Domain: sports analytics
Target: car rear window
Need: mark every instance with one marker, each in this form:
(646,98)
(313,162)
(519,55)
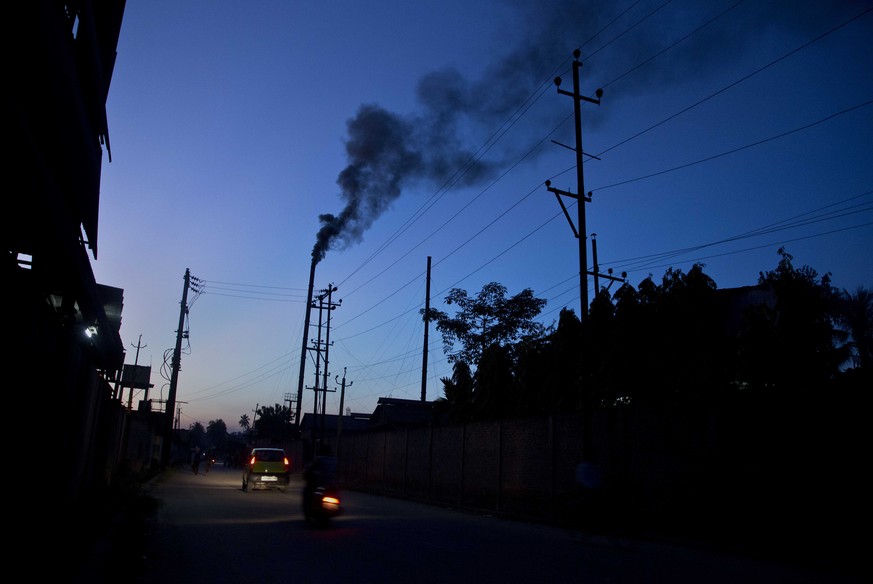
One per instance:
(269,455)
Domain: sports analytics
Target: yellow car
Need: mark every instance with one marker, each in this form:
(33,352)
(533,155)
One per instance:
(266,468)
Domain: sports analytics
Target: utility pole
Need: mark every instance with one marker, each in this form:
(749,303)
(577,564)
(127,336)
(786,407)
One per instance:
(339,421)
(330,306)
(177,421)
(596,271)
(126,434)
(254,419)
(589,473)
(290,399)
(426,322)
(578,98)
(137,346)
(319,435)
(174,376)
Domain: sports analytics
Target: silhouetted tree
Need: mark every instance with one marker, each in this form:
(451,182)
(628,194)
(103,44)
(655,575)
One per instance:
(488,319)
(629,374)
(492,331)
(245,423)
(660,342)
(599,343)
(495,391)
(216,433)
(681,340)
(638,355)
(697,345)
(794,339)
(197,436)
(458,392)
(273,422)
(855,316)
(539,374)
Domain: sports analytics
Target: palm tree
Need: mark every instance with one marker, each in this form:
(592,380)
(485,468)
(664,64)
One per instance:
(244,422)
(856,318)
(457,393)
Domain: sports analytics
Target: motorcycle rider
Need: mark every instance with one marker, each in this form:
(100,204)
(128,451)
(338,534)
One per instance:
(195,460)
(320,473)
(316,475)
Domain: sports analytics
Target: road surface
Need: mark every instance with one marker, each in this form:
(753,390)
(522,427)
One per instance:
(207,530)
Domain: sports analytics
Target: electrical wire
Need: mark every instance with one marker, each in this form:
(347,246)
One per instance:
(501,132)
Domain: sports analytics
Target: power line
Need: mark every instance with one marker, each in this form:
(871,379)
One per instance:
(527,154)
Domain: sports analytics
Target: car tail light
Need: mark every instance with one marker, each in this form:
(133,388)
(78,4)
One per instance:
(287,462)
(252,461)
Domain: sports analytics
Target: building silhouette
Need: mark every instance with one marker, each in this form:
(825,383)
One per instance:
(66,346)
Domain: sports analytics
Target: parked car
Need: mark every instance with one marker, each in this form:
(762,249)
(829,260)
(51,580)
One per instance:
(266,468)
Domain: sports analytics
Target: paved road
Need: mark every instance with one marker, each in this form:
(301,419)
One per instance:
(208,530)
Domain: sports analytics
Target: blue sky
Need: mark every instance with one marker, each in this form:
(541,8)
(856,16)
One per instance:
(726,130)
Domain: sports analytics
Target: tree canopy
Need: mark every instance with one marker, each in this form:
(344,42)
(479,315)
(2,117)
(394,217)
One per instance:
(216,434)
(681,339)
(488,319)
(273,422)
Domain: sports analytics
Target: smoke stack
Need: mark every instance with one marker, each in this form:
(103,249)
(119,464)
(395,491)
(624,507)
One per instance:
(305,338)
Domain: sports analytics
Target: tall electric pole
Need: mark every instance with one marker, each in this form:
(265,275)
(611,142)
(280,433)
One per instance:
(330,306)
(590,471)
(596,271)
(174,376)
(426,321)
(252,433)
(319,348)
(339,421)
(580,231)
(137,346)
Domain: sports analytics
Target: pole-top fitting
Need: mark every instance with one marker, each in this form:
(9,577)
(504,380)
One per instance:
(576,54)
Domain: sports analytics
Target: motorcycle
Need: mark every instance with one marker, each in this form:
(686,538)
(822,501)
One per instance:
(322,504)
(321,495)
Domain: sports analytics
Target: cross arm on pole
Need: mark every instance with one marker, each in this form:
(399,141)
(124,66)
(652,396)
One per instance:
(558,193)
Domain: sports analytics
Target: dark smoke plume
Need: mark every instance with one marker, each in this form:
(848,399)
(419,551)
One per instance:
(387,152)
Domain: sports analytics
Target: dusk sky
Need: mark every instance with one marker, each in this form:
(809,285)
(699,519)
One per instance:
(242,131)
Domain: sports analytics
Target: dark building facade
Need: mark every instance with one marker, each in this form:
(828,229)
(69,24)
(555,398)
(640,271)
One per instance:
(66,346)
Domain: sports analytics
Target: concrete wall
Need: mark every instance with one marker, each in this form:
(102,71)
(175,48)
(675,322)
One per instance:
(726,464)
